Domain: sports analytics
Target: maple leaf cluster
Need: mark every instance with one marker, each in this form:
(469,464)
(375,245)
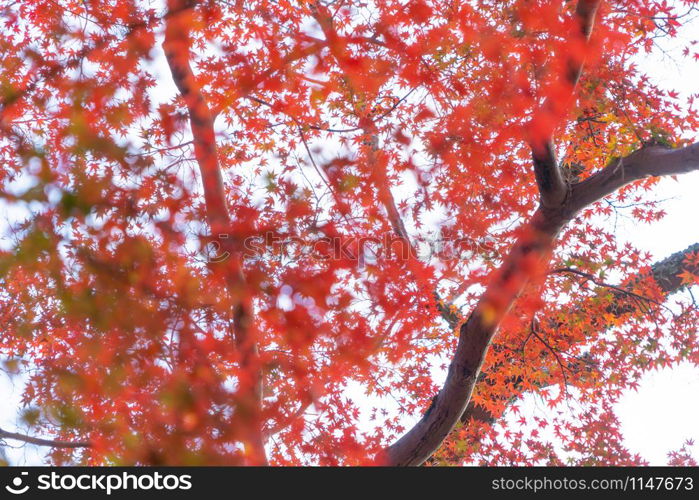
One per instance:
(146,148)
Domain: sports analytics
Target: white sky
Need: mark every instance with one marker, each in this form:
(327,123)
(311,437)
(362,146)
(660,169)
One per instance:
(663,412)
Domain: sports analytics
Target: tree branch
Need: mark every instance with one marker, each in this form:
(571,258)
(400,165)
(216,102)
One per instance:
(43,442)
(666,274)
(549,179)
(530,250)
(649,161)
(475,334)
(176,46)
(590,277)
(585,12)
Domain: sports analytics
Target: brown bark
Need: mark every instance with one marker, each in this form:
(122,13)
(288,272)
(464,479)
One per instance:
(53,443)
(177,52)
(665,273)
(476,333)
(549,179)
(559,203)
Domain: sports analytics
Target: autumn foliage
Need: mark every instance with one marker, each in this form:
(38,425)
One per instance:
(219,212)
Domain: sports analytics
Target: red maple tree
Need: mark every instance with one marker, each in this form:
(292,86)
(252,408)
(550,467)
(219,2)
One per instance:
(217,271)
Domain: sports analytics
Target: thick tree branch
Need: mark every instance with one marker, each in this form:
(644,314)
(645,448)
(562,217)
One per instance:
(620,291)
(585,12)
(43,442)
(650,161)
(324,19)
(475,334)
(176,46)
(549,179)
(665,273)
(530,251)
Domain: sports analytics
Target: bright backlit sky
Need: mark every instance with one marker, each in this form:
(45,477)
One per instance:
(664,412)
